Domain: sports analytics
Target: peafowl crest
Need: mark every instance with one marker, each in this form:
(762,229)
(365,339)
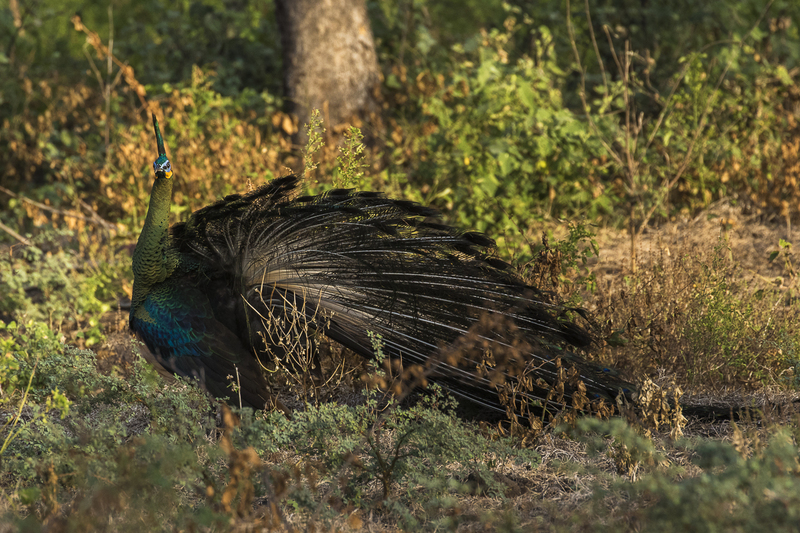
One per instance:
(256,276)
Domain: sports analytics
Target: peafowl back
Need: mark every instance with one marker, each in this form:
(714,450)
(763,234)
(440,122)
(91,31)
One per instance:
(256,277)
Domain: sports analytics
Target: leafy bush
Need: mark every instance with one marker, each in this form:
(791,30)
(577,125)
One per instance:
(743,485)
(59,287)
(492,140)
(128,451)
(733,493)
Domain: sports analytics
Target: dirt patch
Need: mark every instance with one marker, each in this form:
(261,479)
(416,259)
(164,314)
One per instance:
(751,239)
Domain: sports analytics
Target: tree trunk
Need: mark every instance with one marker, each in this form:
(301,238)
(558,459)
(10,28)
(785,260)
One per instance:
(329,60)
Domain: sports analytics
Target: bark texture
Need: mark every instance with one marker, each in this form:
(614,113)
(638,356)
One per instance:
(329,60)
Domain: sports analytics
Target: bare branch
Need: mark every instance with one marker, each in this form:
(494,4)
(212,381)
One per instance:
(14,234)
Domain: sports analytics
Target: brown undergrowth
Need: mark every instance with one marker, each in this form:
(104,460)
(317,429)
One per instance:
(713,306)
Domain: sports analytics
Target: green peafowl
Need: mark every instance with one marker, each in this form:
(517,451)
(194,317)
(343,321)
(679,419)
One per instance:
(254,277)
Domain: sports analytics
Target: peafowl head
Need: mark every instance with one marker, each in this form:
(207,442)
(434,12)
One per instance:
(161,166)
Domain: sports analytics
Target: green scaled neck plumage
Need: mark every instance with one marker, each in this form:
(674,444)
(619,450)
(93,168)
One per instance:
(152,261)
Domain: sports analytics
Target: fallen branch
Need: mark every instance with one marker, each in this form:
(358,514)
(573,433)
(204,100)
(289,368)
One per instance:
(14,234)
(97,219)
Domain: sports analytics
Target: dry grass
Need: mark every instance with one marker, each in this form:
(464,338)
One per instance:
(706,307)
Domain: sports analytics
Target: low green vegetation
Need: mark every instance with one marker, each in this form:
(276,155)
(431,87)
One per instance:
(88,450)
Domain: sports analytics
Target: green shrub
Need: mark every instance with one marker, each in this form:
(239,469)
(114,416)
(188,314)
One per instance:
(745,485)
(489,138)
(733,493)
(57,285)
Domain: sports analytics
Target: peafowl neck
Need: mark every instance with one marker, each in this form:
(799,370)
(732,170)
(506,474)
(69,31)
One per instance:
(153,261)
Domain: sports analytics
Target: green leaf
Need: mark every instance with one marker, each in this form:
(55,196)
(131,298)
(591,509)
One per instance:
(29,496)
(527,96)
(783,75)
(392,82)
(506,163)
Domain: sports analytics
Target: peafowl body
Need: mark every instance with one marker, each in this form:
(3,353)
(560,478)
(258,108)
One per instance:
(254,276)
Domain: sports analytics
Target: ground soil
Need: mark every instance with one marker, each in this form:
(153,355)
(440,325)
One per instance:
(750,237)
